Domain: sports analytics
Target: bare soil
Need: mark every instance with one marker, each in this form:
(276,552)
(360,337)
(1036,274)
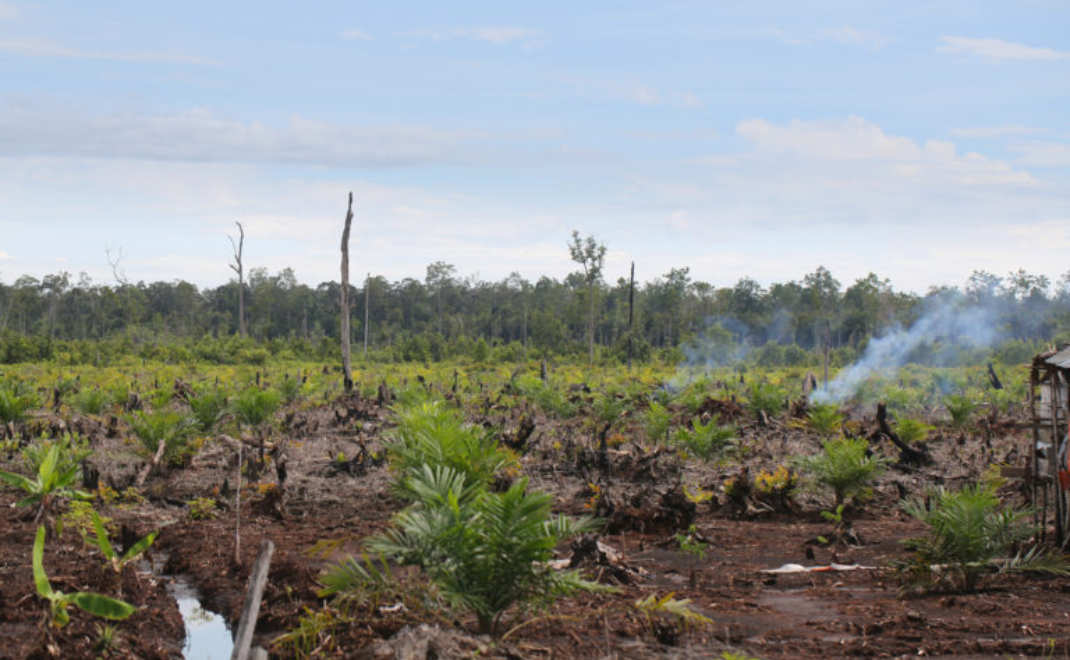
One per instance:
(326,506)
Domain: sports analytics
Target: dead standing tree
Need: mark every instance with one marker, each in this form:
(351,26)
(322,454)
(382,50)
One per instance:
(347,373)
(237,268)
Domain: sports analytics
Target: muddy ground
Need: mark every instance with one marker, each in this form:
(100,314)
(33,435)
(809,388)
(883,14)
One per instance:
(336,492)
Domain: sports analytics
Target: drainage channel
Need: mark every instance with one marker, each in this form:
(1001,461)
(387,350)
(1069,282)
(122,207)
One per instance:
(208,637)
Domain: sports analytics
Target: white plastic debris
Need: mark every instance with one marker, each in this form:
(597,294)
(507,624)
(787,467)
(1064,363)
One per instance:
(799,568)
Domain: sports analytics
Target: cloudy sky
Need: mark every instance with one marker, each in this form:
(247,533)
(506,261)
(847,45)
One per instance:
(734,138)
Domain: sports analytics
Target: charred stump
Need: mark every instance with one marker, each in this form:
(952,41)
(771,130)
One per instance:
(907,455)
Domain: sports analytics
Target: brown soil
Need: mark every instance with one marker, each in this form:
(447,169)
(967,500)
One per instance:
(327,506)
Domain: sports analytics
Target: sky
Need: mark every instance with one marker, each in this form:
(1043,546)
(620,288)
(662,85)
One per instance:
(757,139)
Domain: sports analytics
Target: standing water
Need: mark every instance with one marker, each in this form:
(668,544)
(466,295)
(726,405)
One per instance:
(207,635)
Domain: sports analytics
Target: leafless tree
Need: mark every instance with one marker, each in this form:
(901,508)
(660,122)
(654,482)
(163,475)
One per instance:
(118,273)
(237,268)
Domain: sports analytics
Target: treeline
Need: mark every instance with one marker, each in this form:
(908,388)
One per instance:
(446,315)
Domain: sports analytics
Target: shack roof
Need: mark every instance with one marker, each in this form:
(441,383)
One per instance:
(1060,359)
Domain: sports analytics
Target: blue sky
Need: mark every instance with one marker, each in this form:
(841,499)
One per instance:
(737,139)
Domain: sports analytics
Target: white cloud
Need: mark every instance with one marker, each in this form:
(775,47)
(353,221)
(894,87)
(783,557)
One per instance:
(200,135)
(854,37)
(4,256)
(498,35)
(1043,154)
(856,140)
(354,34)
(8,11)
(994,131)
(44,48)
(999,49)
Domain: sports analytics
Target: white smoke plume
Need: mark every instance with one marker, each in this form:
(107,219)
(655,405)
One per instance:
(973,326)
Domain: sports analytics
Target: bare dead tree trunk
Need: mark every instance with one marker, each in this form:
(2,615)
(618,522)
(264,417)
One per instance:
(367,289)
(347,372)
(237,268)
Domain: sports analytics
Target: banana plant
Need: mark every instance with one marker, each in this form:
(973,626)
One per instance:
(118,563)
(51,482)
(96,604)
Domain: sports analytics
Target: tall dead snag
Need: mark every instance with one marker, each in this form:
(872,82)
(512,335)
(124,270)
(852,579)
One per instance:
(237,268)
(347,377)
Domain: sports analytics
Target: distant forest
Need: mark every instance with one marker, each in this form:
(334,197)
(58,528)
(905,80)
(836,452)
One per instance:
(446,315)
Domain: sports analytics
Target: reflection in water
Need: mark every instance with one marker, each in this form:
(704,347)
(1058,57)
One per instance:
(207,634)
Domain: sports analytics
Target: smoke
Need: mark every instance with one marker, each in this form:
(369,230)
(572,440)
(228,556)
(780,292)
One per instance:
(943,323)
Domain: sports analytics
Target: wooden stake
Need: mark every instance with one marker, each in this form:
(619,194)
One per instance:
(257,581)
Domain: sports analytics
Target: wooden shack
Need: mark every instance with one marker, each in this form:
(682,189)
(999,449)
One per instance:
(1049,396)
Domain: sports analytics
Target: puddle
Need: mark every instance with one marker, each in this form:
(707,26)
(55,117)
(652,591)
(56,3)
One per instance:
(207,635)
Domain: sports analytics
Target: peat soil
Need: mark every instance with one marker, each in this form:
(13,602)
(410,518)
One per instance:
(324,488)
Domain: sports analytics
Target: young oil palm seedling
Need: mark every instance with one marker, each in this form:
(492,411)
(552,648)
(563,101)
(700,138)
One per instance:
(970,530)
(431,433)
(255,408)
(208,407)
(15,402)
(765,398)
(54,480)
(117,562)
(484,551)
(912,431)
(707,440)
(824,419)
(171,428)
(844,466)
(656,422)
(59,602)
(961,408)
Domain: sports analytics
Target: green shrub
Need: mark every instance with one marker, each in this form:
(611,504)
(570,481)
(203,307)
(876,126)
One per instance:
(431,433)
(91,401)
(290,389)
(707,441)
(824,419)
(844,467)
(656,422)
(767,398)
(59,602)
(969,528)
(15,401)
(208,407)
(254,407)
(166,426)
(961,409)
(912,431)
(485,551)
(56,472)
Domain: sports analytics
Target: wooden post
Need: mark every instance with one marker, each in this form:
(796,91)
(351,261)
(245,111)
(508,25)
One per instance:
(257,581)
(237,513)
(347,376)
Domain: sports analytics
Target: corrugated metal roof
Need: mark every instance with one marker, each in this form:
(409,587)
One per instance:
(1061,359)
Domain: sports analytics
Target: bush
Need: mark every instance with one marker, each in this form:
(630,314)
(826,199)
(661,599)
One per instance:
(656,422)
(91,401)
(208,408)
(171,428)
(912,431)
(844,467)
(254,406)
(824,419)
(766,398)
(968,529)
(485,551)
(430,433)
(707,441)
(15,401)
(961,409)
